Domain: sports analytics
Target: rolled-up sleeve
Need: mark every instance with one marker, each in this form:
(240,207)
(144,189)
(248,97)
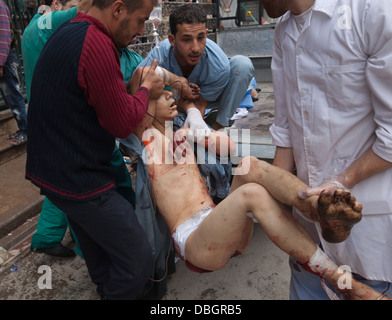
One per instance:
(378,37)
(280,128)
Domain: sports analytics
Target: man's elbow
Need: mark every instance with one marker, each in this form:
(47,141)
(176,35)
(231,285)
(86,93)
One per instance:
(232,147)
(120,130)
(223,145)
(124,131)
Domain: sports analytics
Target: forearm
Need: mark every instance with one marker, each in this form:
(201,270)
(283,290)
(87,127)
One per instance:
(174,81)
(218,142)
(199,103)
(185,89)
(284,158)
(121,116)
(184,105)
(366,166)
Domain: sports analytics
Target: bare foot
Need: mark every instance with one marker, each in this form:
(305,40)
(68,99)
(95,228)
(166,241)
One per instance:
(338,213)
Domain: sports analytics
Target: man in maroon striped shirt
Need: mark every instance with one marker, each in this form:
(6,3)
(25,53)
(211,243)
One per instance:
(78,105)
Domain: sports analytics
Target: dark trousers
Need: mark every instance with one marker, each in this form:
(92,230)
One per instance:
(115,247)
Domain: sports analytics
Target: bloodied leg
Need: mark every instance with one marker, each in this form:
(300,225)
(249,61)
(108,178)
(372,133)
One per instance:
(255,192)
(336,211)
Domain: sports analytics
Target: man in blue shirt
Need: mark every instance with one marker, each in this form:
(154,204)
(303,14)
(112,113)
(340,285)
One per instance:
(188,53)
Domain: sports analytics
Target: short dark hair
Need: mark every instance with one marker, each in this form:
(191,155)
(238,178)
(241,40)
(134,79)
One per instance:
(131,5)
(189,14)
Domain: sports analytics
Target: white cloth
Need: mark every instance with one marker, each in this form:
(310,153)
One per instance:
(239,114)
(333,98)
(184,230)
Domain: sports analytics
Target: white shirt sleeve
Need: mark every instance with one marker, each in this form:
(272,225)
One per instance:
(280,128)
(378,39)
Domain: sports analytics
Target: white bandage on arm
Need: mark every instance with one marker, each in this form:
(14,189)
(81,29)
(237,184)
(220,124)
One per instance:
(163,73)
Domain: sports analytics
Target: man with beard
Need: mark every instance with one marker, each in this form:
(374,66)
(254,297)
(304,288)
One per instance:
(187,52)
(77,108)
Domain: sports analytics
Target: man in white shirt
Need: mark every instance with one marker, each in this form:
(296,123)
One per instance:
(332,73)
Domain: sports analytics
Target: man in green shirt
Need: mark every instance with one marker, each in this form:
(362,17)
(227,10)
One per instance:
(42,26)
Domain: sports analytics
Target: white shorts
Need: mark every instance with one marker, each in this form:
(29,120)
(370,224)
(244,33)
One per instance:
(182,232)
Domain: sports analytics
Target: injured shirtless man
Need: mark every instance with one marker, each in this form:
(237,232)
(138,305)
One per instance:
(206,235)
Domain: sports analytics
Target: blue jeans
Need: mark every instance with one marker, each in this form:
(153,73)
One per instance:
(9,87)
(241,74)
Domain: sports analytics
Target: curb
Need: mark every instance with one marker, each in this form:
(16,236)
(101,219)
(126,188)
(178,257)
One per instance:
(21,217)
(16,244)
(17,253)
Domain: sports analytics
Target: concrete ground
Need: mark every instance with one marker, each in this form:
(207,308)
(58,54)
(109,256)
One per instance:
(260,273)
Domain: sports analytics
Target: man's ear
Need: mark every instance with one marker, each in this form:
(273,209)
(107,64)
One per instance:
(172,39)
(118,8)
(206,32)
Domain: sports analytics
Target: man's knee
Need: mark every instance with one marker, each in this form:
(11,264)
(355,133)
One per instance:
(250,166)
(252,193)
(249,160)
(243,65)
